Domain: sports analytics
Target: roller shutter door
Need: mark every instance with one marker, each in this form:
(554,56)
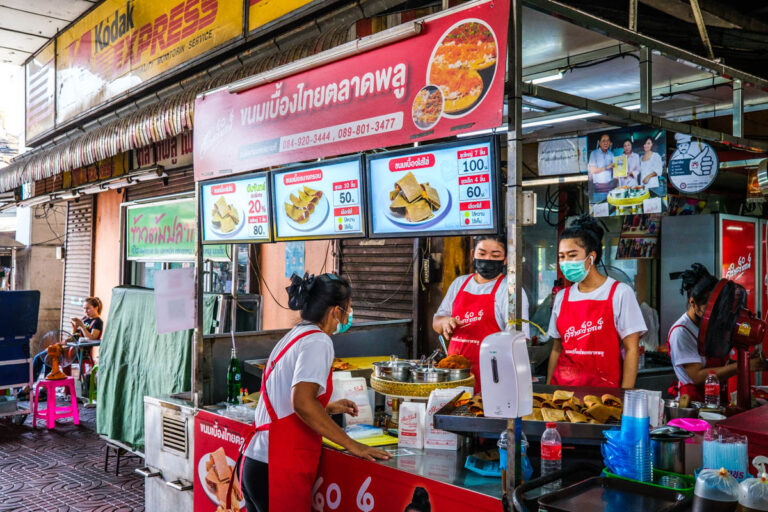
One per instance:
(381,275)
(178,182)
(77,263)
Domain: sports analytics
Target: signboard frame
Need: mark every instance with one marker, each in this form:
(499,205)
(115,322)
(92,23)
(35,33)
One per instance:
(495,176)
(360,158)
(230,179)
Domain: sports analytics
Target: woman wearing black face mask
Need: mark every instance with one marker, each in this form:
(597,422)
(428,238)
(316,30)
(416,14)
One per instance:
(691,368)
(475,305)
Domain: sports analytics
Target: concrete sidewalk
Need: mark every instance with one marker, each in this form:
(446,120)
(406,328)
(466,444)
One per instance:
(62,470)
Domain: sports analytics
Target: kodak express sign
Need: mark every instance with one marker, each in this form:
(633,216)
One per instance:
(122,44)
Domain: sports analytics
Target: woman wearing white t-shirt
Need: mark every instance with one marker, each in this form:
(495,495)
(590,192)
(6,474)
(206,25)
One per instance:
(281,459)
(633,166)
(475,305)
(691,368)
(650,165)
(594,319)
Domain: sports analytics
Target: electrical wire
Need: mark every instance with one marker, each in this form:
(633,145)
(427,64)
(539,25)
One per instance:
(261,279)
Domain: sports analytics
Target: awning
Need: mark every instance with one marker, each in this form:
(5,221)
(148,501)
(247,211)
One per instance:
(165,118)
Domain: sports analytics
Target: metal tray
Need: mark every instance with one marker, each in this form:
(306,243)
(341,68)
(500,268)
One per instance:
(600,493)
(526,496)
(574,433)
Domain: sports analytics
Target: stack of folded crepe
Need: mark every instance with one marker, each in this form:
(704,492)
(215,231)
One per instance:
(218,477)
(565,407)
(303,204)
(468,405)
(413,200)
(224,217)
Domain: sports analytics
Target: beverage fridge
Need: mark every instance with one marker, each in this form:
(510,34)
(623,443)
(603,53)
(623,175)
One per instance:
(731,247)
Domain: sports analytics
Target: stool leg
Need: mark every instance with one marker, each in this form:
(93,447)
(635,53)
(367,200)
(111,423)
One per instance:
(106,457)
(73,401)
(34,405)
(117,467)
(50,412)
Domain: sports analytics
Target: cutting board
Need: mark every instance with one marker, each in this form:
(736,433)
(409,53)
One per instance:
(382,440)
(364,363)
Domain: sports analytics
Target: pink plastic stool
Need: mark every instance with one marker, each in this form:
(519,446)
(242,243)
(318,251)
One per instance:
(53,412)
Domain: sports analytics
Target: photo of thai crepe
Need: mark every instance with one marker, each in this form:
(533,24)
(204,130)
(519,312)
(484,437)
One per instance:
(463,65)
(225,217)
(216,471)
(412,201)
(427,107)
(306,208)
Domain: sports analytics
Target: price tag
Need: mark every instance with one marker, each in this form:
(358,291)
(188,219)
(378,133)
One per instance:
(473,160)
(257,219)
(346,193)
(474,187)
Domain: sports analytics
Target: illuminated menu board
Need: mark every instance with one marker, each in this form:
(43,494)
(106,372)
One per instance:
(236,210)
(323,200)
(434,190)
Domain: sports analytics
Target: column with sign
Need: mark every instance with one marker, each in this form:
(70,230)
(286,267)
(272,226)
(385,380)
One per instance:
(475,187)
(346,206)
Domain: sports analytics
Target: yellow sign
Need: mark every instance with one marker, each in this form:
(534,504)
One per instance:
(40,74)
(261,12)
(121,44)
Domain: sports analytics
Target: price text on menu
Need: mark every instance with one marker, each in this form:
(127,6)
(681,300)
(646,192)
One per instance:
(474,170)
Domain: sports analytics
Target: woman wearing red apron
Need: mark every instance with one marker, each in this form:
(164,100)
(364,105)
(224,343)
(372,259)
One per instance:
(593,319)
(691,368)
(476,304)
(281,458)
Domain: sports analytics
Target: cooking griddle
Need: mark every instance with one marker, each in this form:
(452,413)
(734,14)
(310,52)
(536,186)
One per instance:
(615,495)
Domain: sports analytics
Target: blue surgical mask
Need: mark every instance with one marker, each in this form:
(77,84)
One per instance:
(575,271)
(342,328)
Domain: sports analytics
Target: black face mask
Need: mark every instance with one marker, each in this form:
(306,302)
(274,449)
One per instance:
(489,269)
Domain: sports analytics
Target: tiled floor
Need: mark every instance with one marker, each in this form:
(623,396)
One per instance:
(62,470)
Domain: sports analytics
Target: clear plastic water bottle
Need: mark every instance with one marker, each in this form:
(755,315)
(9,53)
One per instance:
(712,391)
(551,453)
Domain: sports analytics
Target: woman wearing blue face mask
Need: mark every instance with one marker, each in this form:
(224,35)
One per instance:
(281,458)
(594,319)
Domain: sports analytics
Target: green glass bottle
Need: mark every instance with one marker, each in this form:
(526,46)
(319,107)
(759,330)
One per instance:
(233,378)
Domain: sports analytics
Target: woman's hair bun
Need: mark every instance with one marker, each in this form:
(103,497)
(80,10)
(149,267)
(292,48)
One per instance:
(588,223)
(692,277)
(299,291)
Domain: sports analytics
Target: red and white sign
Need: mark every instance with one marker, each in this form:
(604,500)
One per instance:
(217,446)
(170,153)
(350,484)
(739,259)
(447,80)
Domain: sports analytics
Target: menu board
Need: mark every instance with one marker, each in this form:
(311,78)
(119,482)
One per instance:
(434,190)
(236,210)
(322,200)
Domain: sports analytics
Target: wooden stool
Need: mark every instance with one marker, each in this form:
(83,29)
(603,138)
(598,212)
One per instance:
(52,412)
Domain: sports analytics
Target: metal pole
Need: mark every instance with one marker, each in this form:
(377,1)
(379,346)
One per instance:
(633,15)
(738,108)
(702,28)
(514,206)
(646,80)
(197,339)
(235,285)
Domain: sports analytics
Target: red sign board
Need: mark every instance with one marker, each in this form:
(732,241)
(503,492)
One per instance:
(739,259)
(217,445)
(349,484)
(447,80)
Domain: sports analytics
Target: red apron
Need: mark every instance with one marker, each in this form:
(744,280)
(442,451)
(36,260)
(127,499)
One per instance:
(591,353)
(478,312)
(294,448)
(695,391)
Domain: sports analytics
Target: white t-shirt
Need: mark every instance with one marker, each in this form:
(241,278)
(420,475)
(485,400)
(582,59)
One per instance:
(309,360)
(649,167)
(633,171)
(475,288)
(684,347)
(627,316)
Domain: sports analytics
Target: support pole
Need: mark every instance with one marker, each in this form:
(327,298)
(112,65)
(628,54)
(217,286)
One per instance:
(197,338)
(738,108)
(633,15)
(514,207)
(646,80)
(702,28)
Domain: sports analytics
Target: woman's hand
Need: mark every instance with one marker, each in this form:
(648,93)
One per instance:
(446,325)
(757,363)
(342,406)
(368,452)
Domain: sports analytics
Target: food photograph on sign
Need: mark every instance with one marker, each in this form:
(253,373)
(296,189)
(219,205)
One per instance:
(626,172)
(319,201)
(236,210)
(443,188)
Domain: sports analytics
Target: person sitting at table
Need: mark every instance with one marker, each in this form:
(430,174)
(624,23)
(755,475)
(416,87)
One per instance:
(88,328)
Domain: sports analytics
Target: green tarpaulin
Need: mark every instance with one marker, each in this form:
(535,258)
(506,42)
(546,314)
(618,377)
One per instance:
(135,361)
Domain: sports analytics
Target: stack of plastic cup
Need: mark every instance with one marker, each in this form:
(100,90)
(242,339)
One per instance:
(635,433)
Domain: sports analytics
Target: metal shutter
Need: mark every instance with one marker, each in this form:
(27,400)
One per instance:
(381,275)
(178,182)
(77,262)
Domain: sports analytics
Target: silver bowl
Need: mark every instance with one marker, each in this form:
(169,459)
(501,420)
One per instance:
(672,411)
(459,373)
(398,370)
(430,375)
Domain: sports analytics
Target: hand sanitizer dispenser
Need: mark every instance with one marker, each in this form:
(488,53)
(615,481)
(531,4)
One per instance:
(505,375)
